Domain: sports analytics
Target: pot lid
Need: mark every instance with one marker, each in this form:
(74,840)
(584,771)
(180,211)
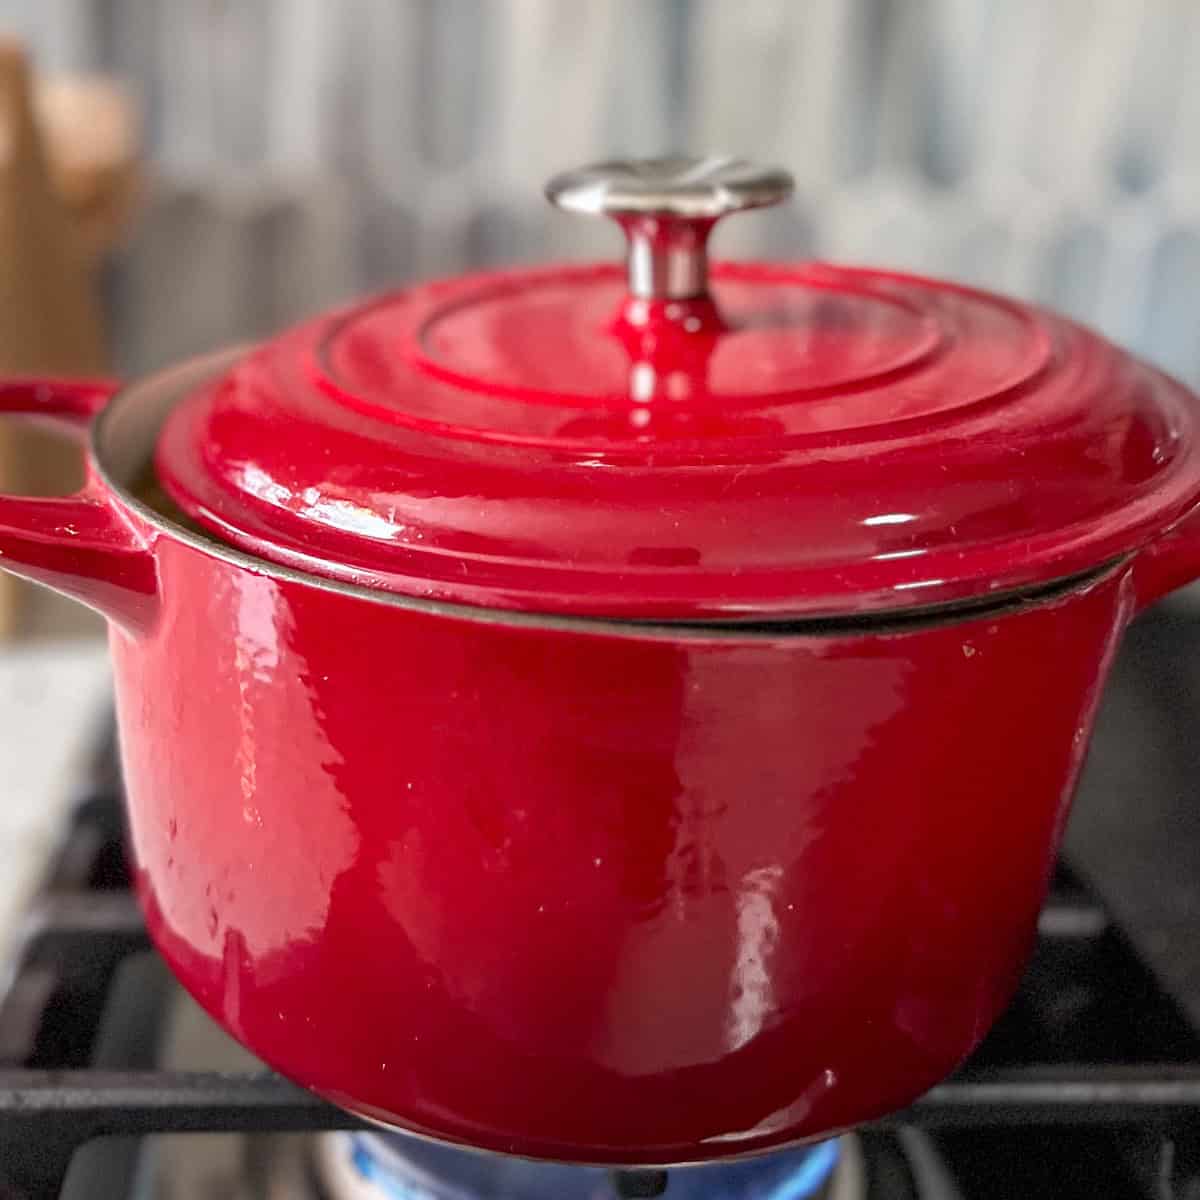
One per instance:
(671,440)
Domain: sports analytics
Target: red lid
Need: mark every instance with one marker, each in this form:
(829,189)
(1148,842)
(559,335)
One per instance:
(768,442)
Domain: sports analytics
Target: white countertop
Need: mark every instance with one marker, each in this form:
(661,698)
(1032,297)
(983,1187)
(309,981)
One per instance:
(53,696)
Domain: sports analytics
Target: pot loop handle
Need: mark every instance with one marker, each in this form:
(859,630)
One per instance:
(80,544)
(667,207)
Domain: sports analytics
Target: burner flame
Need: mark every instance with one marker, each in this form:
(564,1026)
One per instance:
(369,1166)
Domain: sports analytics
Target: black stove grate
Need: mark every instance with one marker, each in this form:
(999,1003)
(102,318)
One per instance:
(1088,1086)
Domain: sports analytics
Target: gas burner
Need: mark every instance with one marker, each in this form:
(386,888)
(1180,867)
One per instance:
(867,1165)
(370,1166)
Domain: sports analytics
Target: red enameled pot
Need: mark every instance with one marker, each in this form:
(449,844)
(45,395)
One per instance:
(617,725)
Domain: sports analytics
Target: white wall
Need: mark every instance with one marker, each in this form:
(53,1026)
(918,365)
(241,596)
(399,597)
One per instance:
(307,149)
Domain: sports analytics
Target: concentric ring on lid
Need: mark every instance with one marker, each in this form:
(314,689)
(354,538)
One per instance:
(780,442)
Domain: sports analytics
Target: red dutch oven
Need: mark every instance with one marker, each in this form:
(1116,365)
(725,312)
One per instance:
(617,715)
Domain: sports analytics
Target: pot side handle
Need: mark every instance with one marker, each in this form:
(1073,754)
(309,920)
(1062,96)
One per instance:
(79,545)
(1171,561)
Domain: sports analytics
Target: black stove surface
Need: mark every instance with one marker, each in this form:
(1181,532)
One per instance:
(1088,1086)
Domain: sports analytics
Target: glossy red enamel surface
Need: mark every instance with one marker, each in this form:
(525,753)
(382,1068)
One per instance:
(812,440)
(581,890)
(593,897)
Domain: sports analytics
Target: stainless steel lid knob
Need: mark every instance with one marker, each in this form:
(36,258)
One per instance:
(667,208)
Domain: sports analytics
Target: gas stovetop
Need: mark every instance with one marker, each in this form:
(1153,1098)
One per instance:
(1089,1085)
